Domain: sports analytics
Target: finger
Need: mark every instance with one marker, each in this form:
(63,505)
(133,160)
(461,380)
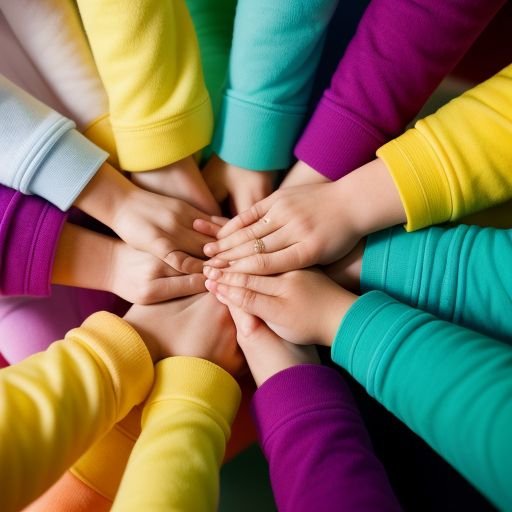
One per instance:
(278,262)
(274,242)
(183,262)
(266,285)
(191,241)
(245,323)
(168,288)
(247,217)
(206,227)
(244,235)
(242,200)
(250,301)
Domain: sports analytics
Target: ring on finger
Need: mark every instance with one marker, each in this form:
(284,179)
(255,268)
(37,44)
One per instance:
(259,246)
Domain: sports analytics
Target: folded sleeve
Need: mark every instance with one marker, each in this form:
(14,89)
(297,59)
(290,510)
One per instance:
(186,423)
(318,449)
(399,54)
(40,151)
(274,55)
(448,384)
(148,59)
(55,404)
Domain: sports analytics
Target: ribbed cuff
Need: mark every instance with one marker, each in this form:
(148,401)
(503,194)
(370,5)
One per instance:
(256,137)
(151,147)
(100,133)
(365,334)
(200,381)
(124,353)
(299,389)
(334,143)
(419,178)
(67,168)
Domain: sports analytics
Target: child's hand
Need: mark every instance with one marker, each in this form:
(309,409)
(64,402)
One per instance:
(181,180)
(347,271)
(242,186)
(303,307)
(139,277)
(197,326)
(298,227)
(266,353)
(302,174)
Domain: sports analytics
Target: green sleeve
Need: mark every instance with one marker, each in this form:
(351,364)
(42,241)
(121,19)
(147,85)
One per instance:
(450,385)
(460,274)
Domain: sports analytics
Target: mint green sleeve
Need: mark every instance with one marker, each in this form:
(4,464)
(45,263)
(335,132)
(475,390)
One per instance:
(461,274)
(450,385)
(275,52)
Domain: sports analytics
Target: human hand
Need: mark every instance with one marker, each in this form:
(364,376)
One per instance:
(302,174)
(266,353)
(181,180)
(197,326)
(304,307)
(242,186)
(347,271)
(298,227)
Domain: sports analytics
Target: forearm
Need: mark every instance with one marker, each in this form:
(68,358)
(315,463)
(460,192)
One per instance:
(450,385)
(190,411)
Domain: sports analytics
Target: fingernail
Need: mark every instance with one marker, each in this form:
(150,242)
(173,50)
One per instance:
(209,250)
(209,285)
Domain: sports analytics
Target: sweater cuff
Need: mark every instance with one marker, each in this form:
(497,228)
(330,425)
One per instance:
(256,137)
(294,391)
(419,178)
(67,169)
(100,132)
(199,381)
(364,336)
(151,147)
(123,352)
(335,143)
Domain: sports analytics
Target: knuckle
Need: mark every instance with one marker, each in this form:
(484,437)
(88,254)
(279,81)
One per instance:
(248,299)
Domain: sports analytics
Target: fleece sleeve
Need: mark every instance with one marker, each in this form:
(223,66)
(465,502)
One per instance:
(148,59)
(461,274)
(318,449)
(275,52)
(456,161)
(55,404)
(29,232)
(40,151)
(399,54)
(186,423)
(450,385)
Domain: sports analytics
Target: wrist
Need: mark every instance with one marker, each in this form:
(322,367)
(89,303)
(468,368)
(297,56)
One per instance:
(333,313)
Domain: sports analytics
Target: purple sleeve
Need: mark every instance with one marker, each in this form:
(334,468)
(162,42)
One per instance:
(319,452)
(29,232)
(400,53)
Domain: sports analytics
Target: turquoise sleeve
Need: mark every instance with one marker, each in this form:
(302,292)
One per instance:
(450,385)
(460,274)
(275,52)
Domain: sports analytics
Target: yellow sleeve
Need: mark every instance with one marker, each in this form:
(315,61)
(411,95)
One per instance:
(55,404)
(148,58)
(186,423)
(456,161)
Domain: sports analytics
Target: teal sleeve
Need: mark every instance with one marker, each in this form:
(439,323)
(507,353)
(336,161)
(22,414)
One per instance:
(461,274)
(450,385)
(275,52)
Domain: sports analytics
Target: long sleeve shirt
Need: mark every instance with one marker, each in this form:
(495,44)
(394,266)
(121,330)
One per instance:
(55,404)
(41,153)
(456,161)
(148,59)
(450,385)
(400,53)
(275,52)
(319,452)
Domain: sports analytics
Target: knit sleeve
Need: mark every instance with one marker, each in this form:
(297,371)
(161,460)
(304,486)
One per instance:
(275,52)
(40,151)
(148,59)
(399,54)
(318,449)
(57,403)
(186,423)
(450,385)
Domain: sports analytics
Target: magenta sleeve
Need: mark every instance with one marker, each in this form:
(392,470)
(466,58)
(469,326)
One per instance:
(398,56)
(29,232)
(318,449)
